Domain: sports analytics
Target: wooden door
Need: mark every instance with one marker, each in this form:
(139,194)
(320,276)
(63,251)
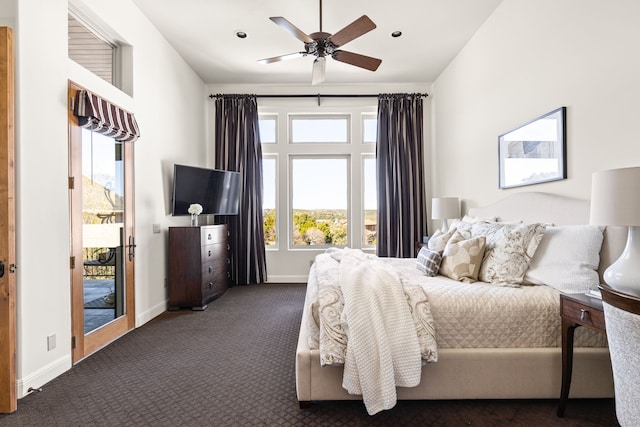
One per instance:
(102,239)
(8,398)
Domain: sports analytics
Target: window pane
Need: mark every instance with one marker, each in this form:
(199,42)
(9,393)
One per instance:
(320,129)
(89,50)
(370,202)
(319,201)
(269,201)
(370,129)
(267,126)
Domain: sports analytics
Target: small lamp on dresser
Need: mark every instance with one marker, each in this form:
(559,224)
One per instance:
(615,201)
(445,208)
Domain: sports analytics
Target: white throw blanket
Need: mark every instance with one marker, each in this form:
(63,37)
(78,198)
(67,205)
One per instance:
(383,349)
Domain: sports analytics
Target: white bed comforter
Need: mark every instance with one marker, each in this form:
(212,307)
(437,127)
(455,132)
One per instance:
(387,328)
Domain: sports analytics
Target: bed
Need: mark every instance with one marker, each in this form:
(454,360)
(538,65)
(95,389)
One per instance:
(473,359)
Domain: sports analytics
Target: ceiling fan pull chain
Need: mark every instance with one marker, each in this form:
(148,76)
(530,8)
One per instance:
(320,15)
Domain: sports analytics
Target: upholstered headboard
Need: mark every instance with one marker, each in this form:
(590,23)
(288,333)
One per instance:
(532,207)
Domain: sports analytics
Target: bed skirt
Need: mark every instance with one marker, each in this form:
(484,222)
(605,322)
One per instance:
(491,373)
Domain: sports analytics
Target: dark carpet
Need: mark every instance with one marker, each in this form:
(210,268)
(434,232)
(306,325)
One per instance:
(233,365)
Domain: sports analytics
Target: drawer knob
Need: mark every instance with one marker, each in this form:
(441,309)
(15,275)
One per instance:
(209,252)
(584,314)
(210,285)
(208,236)
(210,269)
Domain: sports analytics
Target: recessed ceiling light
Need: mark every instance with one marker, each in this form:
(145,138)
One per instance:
(396,34)
(241,34)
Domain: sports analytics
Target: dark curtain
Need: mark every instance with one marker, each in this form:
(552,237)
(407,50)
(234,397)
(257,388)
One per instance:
(238,148)
(399,156)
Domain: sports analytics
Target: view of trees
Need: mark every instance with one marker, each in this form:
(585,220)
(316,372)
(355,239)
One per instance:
(269,218)
(319,227)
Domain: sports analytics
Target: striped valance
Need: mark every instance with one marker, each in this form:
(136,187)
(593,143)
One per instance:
(101,116)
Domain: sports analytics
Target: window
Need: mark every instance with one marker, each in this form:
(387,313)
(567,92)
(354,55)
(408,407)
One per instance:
(370,202)
(269,200)
(97,48)
(319,181)
(319,200)
(267,126)
(320,129)
(370,128)
(90,50)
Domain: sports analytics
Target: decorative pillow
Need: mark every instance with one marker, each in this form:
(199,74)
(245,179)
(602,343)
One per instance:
(509,249)
(462,258)
(439,240)
(429,261)
(567,258)
(471,219)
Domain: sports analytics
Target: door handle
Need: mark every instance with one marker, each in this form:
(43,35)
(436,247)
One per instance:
(132,248)
(12,268)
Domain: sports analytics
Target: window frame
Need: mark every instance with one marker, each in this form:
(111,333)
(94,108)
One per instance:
(283,149)
(347,117)
(291,159)
(121,51)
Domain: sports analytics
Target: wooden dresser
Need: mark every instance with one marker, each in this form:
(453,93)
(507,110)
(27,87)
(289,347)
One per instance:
(197,265)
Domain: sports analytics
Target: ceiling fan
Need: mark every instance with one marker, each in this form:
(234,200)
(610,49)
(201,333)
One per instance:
(323,44)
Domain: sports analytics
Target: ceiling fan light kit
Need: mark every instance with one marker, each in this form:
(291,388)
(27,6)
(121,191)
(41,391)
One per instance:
(321,45)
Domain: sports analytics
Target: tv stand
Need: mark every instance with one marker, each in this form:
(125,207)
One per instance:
(197,265)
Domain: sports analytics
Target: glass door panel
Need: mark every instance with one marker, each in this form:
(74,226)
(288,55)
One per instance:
(102,230)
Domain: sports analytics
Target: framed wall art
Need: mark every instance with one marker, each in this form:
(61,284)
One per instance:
(535,152)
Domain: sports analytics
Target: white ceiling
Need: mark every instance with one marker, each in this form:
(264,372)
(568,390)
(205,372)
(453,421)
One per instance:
(203,32)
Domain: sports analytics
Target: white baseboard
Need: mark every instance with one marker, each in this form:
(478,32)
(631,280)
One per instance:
(287,279)
(151,313)
(43,375)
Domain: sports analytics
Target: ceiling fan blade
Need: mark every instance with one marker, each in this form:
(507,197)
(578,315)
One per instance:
(319,70)
(356,59)
(292,29)
(282,57)
(354,30)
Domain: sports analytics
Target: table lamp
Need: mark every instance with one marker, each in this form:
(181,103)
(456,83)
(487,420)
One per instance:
(615,200)
(445,208)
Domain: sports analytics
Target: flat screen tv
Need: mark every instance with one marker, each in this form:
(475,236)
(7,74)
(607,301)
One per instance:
(218,191)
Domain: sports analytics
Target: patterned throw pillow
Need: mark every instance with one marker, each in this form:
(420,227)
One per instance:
(439,240)
(461,259)
(509,249)
(429,261)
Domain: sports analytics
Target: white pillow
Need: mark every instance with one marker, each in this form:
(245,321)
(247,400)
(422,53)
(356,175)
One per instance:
(567,258)
(472,219)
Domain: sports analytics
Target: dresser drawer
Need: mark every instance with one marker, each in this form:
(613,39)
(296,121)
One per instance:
(213,234)
(215,251)
(583,315)
(215,268)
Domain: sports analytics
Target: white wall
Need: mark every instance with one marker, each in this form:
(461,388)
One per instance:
(168,101)
(529,58)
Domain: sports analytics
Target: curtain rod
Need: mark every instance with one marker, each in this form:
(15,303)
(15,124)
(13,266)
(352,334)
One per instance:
(318,95)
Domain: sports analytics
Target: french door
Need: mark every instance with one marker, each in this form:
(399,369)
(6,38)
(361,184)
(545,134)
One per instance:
(8,397)
(102,239)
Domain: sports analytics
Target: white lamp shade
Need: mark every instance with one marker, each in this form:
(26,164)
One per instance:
(445,208)
(615,197)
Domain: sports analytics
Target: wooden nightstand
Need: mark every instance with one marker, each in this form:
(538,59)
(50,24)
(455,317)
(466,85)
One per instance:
(576,310)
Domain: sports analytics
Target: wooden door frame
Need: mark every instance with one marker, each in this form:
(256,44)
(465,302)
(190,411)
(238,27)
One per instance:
(8,394)
(84,345)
